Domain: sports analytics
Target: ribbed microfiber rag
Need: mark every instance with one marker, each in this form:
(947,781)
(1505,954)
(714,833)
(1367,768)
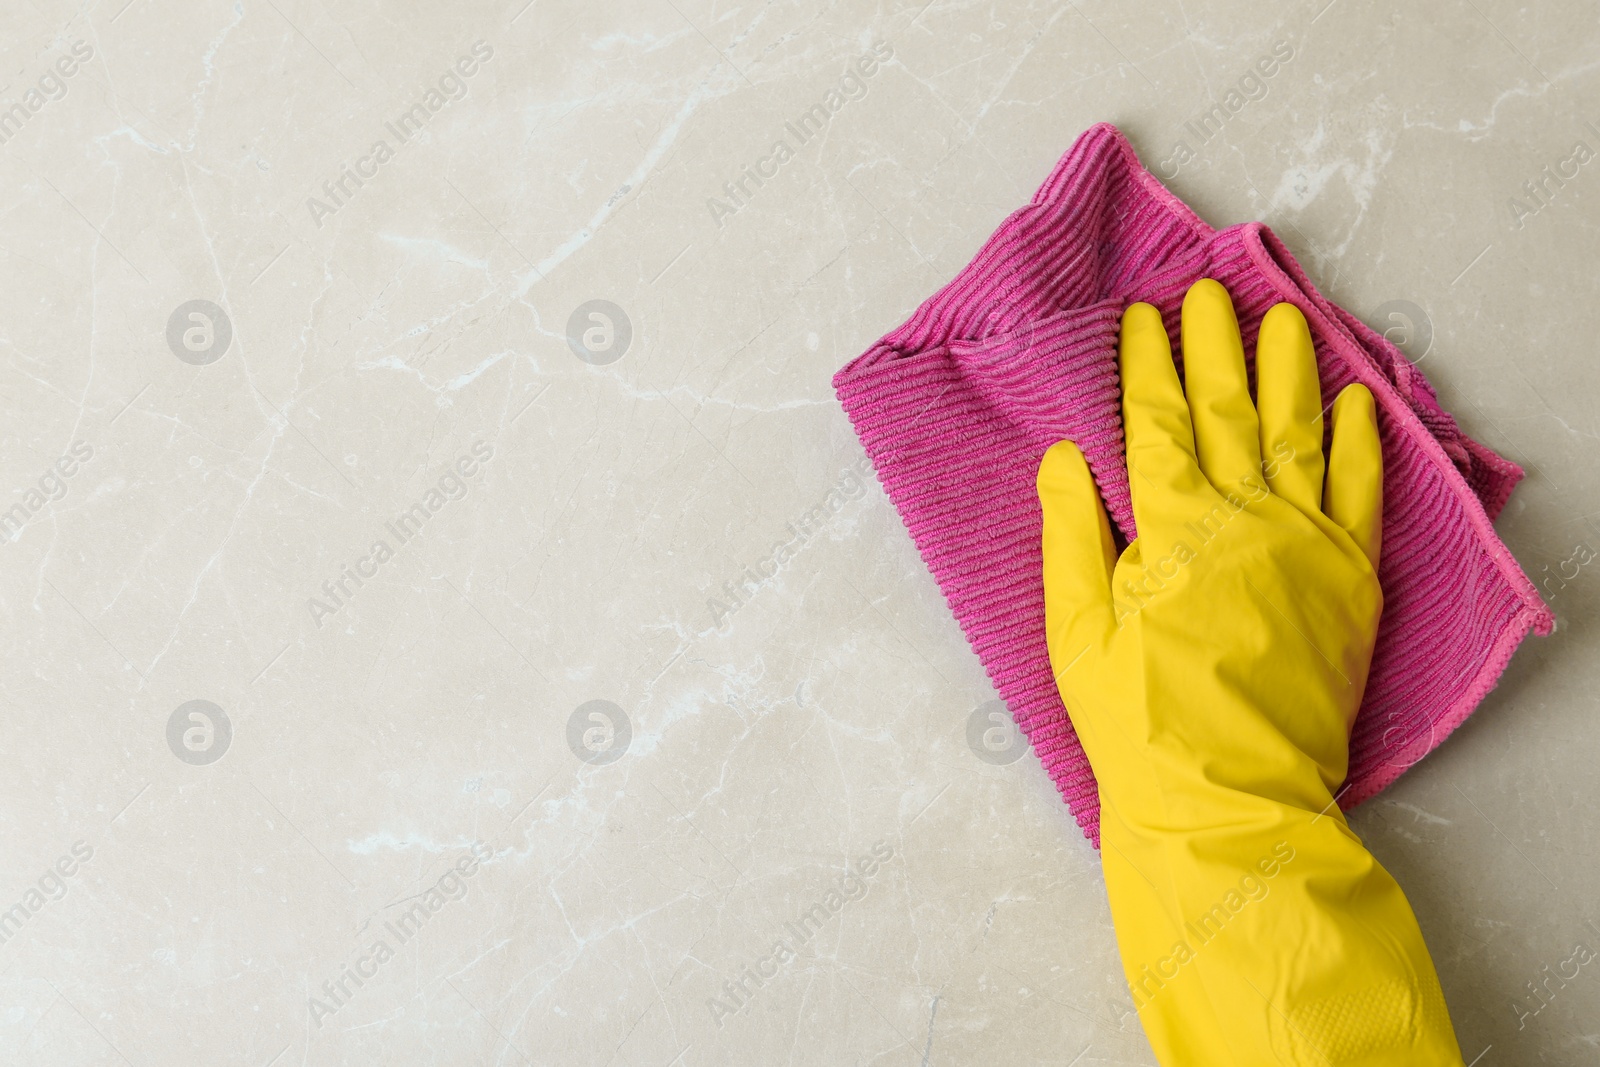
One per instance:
(956,407)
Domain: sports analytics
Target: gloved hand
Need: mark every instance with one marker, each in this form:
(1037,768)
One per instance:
(1213,672)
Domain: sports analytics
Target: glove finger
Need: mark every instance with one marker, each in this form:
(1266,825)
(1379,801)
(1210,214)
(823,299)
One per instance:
(1226,435)
(1162,470)
(1354,494)
(1079,555)
(1289,399)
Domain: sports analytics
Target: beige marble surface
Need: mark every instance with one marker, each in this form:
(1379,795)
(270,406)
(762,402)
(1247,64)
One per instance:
(393,756)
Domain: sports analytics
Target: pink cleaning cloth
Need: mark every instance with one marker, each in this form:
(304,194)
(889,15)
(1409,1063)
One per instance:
(956,407)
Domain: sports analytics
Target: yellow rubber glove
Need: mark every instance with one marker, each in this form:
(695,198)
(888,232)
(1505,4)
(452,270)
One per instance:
(1213,672)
